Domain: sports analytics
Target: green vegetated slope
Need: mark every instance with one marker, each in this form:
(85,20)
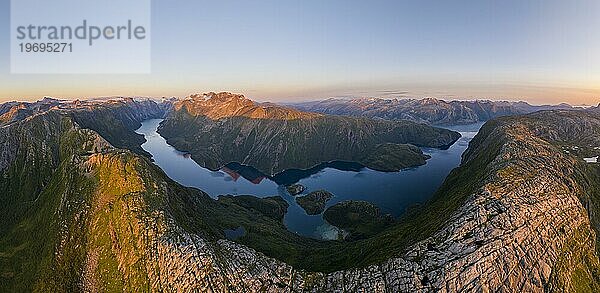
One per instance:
(79,214)
(314,202)
(360,219)
(77,211)
(394,157)
(37,179)
(221,128)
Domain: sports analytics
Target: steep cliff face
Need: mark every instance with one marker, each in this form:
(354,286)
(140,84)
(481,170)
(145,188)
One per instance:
(221,128)
(428,110)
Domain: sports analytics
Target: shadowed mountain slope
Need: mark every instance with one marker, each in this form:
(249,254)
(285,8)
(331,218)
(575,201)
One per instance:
(222,128)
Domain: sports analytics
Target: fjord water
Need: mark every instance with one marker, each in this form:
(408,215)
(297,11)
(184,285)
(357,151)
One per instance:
(393,192)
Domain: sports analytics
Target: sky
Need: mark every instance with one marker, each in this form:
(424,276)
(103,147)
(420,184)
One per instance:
(541,51)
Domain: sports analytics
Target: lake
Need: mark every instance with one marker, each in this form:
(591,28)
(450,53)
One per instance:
(393,192)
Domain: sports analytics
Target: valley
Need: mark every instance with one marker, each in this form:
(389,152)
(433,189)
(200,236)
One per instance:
(396,191)
(512,204)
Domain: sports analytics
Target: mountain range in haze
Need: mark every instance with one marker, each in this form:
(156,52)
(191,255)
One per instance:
(427,110)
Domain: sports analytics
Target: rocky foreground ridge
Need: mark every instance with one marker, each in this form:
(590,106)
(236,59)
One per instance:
(428,110)
(524,228)
(78,214)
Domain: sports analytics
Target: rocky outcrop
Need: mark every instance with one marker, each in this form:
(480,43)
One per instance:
(428,110)
(218,129)
(314,202)
(295,189)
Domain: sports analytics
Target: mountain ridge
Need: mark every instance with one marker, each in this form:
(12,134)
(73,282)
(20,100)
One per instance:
(218,129)
(427,110)
(224,104)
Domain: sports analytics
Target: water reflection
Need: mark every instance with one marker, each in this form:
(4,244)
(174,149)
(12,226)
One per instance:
(393,192)
(289,176)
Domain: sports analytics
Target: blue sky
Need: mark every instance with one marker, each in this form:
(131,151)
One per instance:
(540,51)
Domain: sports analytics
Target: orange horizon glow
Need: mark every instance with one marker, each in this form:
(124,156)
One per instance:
(542,52)
(536,95)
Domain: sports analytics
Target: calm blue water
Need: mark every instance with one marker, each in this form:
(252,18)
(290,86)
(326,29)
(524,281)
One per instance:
(393,192)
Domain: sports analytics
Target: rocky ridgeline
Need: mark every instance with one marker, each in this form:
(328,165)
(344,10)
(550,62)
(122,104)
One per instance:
(525,229)
(224,104)
(128,110)
(428,110)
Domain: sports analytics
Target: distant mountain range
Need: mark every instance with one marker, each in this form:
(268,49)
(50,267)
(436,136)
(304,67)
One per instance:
(428,110)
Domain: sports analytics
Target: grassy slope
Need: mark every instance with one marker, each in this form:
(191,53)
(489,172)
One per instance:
(116,121)
(394,157)
(36,186)
(74,217)
(314,202)
(43,244)
(94,216)
(111,128)
(360,219)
